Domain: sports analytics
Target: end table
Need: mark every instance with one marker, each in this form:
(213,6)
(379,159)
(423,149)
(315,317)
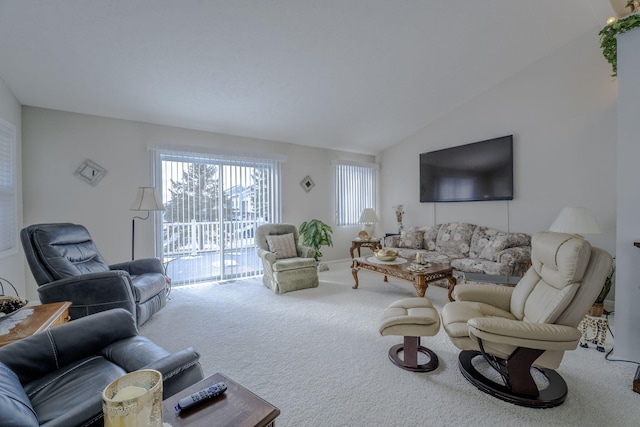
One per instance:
(373,244)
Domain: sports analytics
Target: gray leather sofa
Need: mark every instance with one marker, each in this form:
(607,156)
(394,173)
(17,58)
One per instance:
(56,378)
(68,267)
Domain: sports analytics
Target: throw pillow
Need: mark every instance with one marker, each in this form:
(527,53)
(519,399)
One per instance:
(282,245)
(454,238)
(411,238)
(498,244)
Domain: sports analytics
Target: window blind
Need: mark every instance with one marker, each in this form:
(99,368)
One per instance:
(356,190)
(8,205)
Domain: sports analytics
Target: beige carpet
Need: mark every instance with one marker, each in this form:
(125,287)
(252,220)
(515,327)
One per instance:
(317,355)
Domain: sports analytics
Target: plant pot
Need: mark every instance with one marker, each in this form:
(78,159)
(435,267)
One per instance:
(596,309)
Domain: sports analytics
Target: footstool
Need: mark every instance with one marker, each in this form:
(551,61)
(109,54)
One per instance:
(412,318)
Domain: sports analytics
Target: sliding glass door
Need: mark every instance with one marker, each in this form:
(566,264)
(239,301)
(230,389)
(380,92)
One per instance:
(213,205)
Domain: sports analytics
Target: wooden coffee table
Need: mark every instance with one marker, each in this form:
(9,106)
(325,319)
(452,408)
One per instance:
(419,280)
(236,407)
(44,316)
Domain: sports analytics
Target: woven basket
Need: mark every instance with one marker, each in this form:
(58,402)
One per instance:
(596,309)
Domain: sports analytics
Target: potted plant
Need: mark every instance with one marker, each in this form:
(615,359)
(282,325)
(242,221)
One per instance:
(315,233)
(598,306)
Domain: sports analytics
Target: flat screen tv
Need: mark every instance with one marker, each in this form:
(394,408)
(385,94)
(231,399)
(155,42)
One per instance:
(472,172)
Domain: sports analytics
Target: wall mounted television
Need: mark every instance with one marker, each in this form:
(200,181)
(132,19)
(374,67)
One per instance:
(473,172)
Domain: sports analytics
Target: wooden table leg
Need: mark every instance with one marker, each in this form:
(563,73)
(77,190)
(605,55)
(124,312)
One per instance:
(354,271)
(421,286)
(452,284)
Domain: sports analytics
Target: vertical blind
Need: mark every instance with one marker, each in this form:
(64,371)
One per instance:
(8,207)
(213,203)
(356,190)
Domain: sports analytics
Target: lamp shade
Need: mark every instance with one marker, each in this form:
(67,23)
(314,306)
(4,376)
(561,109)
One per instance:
(576,221)
(368,216)
(147,200)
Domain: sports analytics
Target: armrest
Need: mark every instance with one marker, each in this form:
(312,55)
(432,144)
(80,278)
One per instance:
(90,289)
(515,255)
(305,251)
(179,371)
(541,336)
(490,293)
(34,356)
(267,256)
(140,266)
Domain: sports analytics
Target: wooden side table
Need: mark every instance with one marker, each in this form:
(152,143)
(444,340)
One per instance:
(237,406)
(44,316)
(374,244)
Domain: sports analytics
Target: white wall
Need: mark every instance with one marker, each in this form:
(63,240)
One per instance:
(55,143)
(12,266)
(561,111)
(627,292)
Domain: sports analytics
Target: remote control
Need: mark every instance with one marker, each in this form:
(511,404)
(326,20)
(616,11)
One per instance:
(201,396)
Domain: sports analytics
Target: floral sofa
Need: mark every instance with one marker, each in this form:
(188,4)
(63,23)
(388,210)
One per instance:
(468,248)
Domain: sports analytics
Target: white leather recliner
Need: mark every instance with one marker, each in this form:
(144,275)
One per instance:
(529,325)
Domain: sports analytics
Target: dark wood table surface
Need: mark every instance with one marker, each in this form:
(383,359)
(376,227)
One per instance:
(237,407)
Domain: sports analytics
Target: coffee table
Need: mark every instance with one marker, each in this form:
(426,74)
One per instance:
(419,279)
(236,407)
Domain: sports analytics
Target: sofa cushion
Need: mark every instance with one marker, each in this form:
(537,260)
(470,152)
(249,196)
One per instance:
(282,245)
(504,241)
(430,236)
(482,266)
(293,264)
(15,406)
(482,236)
(411,238)
(72,395)
(455,238)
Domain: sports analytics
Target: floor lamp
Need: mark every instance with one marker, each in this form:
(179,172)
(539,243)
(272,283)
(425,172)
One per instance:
(146,200)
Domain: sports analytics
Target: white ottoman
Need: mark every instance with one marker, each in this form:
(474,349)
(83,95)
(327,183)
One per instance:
(412,318)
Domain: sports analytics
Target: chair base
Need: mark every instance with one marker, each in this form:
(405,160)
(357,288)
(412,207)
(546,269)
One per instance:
(552,396)
(411,348)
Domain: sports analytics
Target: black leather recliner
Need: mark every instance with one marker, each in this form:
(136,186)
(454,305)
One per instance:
(56,378)
(68,267)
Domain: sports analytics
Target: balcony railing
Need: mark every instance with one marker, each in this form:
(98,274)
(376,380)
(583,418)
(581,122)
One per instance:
(194,237)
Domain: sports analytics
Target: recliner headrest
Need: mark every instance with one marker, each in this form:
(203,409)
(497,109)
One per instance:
(66,250)
(559,259)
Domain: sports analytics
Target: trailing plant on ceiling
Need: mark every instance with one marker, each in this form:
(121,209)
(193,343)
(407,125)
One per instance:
(608,41)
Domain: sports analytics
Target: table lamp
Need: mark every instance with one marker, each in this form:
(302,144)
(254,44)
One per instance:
(576,221)
(368,217)
(146,200)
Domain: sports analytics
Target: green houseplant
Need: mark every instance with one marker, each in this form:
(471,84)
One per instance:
(608,41)
(315,233)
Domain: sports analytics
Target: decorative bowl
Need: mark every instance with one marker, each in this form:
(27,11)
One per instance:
(386,254)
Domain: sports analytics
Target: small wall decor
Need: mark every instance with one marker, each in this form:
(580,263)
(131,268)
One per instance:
(307,183)
(90,172)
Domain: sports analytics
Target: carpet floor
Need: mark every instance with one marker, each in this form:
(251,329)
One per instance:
(317,355)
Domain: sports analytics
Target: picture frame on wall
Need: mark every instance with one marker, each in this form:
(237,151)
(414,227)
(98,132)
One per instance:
(90,172)
(307,183)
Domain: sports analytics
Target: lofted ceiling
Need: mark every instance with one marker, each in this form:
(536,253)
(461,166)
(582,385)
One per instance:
(355,75)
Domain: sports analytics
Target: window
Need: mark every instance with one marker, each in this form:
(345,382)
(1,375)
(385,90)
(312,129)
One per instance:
(213,203)
(356,190)
(8,205)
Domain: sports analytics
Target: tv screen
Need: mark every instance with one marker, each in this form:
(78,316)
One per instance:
(472,172)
